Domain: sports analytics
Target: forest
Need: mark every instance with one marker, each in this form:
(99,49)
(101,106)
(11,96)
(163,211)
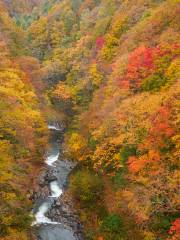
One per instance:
(109,70)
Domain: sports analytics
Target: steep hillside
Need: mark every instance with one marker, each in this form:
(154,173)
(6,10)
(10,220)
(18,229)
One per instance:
(114,66)
(24,12)
(21,6)
(22,135)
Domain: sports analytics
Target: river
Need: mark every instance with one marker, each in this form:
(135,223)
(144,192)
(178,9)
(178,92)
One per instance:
(54,218)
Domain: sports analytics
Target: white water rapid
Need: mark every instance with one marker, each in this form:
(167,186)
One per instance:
(54,127)
(40,215)
(51,159)
(56,191)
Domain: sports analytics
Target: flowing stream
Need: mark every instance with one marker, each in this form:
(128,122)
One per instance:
(53,220)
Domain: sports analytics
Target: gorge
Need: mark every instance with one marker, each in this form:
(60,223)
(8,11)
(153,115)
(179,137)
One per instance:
(89,119)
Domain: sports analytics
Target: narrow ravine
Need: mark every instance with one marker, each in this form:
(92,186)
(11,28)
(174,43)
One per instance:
(54,215)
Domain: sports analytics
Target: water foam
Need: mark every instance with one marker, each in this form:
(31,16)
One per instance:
(40,217)
(51,159)
(55,189)
(54,127)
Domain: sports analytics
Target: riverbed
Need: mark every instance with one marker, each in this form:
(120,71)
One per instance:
(55,218)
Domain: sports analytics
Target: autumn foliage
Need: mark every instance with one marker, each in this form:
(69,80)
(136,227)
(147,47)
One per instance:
(146,68)
(113,69)
(175,229)
(23,135)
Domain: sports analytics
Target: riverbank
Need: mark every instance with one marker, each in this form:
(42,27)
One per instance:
(102,215)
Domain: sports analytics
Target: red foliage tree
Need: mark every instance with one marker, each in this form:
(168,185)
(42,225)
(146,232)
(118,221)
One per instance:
(175,229)
(161,129)
(100,42)
(158,137)
(145,61)
(140,65)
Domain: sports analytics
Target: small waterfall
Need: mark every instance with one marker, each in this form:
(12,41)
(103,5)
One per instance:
(51,159)
(40,215)
(54,126)
(55,189)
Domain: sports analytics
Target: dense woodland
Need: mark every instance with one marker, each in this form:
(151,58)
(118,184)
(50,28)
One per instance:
(22,134)
(110,69)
